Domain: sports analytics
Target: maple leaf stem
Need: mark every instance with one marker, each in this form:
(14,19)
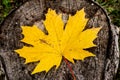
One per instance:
(70,68)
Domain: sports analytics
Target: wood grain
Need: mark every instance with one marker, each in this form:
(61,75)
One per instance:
(102,67)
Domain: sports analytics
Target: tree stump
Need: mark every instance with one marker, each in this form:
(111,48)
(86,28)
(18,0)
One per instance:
(102,67)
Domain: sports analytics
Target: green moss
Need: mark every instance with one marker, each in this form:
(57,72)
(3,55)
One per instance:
(112,7)
(5,7)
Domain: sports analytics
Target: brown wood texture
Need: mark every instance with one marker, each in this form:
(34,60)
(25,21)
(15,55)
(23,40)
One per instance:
(102,67)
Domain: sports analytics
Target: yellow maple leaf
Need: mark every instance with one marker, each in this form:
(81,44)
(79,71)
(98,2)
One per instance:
(69,42)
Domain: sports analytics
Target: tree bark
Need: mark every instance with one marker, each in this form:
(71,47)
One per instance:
(102,67)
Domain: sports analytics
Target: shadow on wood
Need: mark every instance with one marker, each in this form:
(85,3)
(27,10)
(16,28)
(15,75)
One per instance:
(102,67)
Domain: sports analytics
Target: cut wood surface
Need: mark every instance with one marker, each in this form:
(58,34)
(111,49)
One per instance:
(101,67)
